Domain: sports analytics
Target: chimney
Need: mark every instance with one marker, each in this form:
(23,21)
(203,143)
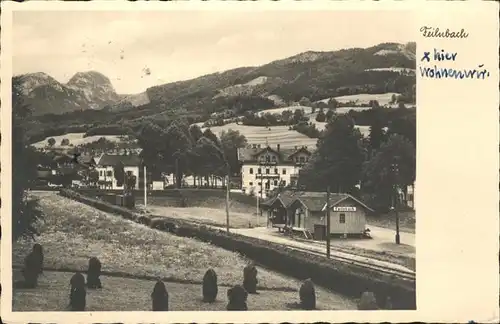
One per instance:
(278,147)
(295,146)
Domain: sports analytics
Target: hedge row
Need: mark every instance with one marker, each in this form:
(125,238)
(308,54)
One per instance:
(347,279)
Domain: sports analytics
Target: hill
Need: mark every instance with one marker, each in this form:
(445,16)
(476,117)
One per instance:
(85,90)
(387,67)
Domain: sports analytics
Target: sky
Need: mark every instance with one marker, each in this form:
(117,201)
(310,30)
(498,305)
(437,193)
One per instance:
(137,50)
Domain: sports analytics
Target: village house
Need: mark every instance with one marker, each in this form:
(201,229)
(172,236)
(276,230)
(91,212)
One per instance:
(264,169)
(306,212)
(105,167)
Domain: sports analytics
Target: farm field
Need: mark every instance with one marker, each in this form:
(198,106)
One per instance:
(77,139)
(273,135)
(307,110)
(383,98)
(73,232)
(393,69)
(52,295)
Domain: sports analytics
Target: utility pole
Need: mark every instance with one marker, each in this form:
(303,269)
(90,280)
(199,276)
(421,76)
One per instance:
(328,222)
(395,194)
(145,187)
(228,170)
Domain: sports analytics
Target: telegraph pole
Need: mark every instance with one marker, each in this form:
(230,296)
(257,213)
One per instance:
(145,187)
(395,194)
(328,222)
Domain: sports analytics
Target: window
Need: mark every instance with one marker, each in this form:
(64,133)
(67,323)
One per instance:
(275,170)
(260,184)
(109,173)
(268,158)
(250,183)
(273,158)
(267,185)
(284,182)
(251,170)
(342,218)
(284,171)
(302,159)
(129,173)
(259,171)
(267,171)
(100,173)
(275,182)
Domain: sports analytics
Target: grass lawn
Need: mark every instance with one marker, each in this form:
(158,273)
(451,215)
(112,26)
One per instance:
(52,295)
(406,221)
(209,216)
(73,232)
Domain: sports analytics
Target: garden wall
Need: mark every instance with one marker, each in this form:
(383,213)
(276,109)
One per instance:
(348,279)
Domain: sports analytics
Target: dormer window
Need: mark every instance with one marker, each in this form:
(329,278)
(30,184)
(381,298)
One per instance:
(274,158)
(302,159)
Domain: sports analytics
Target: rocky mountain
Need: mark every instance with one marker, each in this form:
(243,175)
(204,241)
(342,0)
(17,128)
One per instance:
(387,67)
(85,90)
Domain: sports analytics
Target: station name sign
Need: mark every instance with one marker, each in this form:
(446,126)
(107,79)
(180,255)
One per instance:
(344,209)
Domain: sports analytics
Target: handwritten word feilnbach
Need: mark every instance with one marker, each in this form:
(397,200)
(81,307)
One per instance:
(436,33)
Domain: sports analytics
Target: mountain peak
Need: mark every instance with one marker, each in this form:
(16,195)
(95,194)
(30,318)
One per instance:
(83,78)
(96,87)
(30,81)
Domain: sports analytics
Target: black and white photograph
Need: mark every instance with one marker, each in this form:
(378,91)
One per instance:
(213,160)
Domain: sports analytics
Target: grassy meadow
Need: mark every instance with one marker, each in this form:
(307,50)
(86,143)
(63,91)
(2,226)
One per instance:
(73,232)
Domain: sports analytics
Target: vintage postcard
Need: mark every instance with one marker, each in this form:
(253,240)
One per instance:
(199,158)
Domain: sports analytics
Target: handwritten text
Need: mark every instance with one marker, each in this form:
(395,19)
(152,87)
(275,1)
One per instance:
(434,32)
(437,72)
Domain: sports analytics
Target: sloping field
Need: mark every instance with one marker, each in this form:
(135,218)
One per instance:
(307,110)
(72,232)
(394,69)
(76,139)
(382,98)
(274,135)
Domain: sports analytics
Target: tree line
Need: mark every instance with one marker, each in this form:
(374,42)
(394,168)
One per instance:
(347,162)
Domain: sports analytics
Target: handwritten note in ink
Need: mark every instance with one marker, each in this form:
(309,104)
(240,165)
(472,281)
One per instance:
(437,63)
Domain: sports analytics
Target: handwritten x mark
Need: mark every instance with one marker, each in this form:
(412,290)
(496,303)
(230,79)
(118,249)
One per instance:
(426,56)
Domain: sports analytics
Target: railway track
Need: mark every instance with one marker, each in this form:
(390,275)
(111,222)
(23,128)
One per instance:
(407,275)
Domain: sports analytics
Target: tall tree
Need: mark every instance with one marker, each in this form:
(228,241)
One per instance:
(378,178)
(231,141)
(321,117)
(338,160)
(377,133)
(25,212)
(51,141)
(405,125)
